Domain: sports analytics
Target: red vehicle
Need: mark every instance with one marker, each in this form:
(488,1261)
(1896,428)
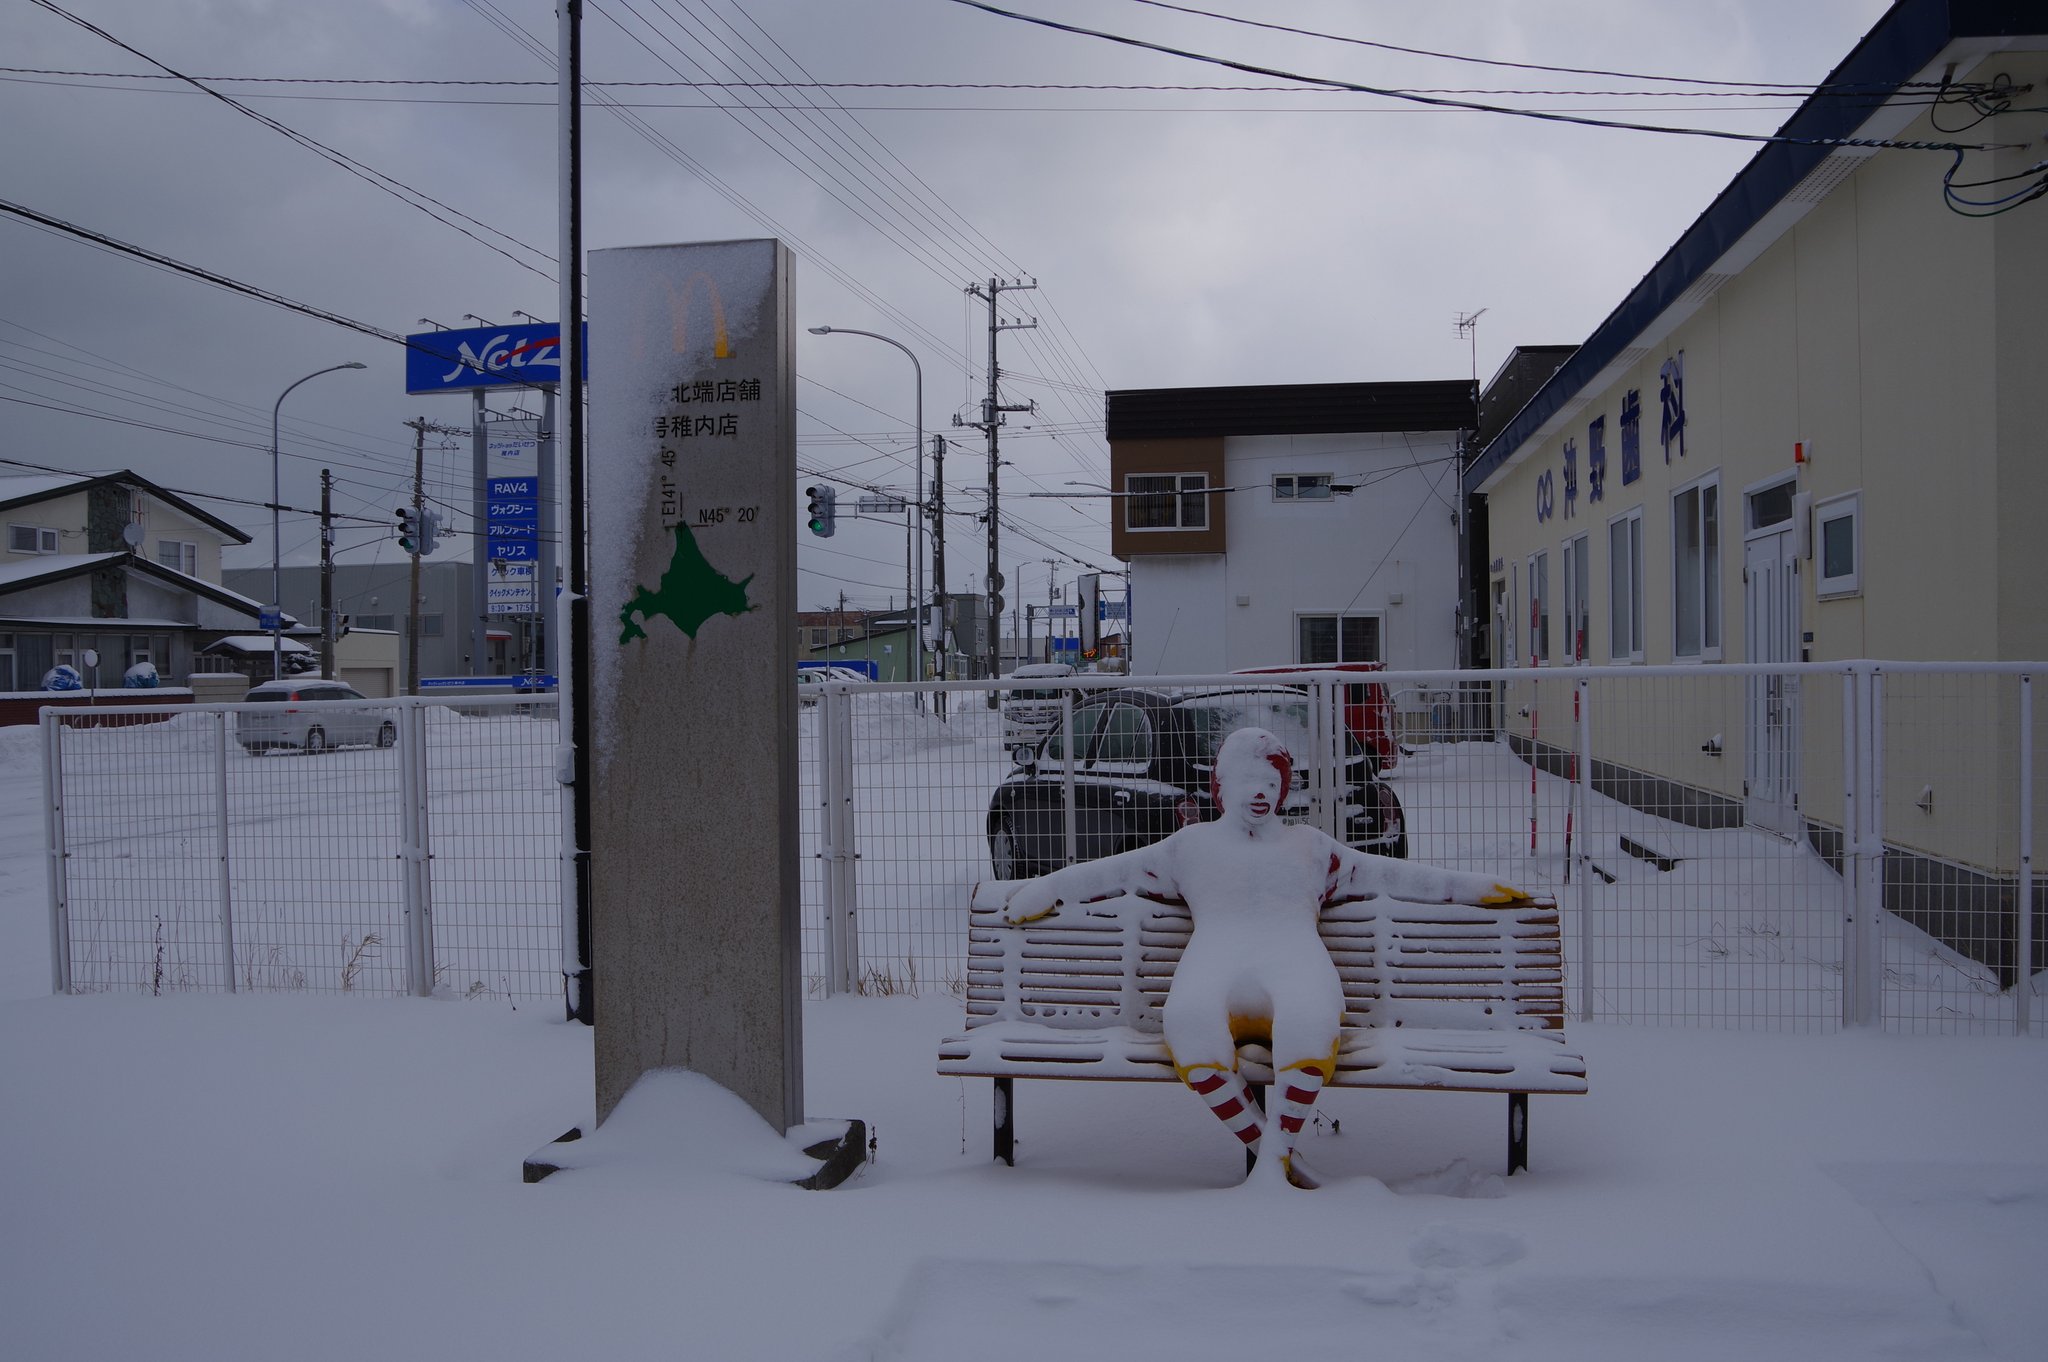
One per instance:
(1368,709)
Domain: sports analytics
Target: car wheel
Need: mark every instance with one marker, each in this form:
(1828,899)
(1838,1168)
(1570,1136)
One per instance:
(254,749)
(387,734)
(1002,852)
(316,742)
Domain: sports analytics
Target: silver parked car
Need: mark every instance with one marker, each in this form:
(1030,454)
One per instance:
(282,723)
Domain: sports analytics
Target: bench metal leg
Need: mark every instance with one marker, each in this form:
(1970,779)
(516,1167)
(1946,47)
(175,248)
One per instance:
(1006,1126)
(1518,1132)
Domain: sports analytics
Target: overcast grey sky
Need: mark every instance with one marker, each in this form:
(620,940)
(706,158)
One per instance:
(1179,237)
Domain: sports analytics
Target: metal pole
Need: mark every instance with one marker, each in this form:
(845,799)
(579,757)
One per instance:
(1852,818)
(1585,764)
(573,609)
(276,531)
(53,829)
(326,574)
(221,847)
(1073,836)
(2023,983)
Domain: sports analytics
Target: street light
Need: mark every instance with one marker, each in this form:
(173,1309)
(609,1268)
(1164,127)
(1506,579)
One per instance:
(914,551)
(276,533)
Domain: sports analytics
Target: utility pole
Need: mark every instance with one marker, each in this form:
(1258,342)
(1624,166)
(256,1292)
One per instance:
(938,514)
(412,611)
(992,410)
(419,425)
(327,574)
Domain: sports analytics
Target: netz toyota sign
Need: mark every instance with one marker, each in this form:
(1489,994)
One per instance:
(485,357)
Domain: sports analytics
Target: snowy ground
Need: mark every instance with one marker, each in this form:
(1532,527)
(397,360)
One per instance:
(306,1176)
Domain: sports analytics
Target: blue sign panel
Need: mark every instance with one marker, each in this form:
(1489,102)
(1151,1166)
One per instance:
(486,357)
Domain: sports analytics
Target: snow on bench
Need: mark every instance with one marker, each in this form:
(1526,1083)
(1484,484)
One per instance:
(1437,996)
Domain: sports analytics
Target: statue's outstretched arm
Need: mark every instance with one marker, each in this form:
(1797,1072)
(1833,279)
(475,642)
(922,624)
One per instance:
(1144,870)
(1356,874)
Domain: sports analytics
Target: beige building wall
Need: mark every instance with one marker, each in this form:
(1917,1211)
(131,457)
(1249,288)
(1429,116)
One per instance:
(1906,345)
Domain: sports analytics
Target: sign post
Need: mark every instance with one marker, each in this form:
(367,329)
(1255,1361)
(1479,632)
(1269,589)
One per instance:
(694,894)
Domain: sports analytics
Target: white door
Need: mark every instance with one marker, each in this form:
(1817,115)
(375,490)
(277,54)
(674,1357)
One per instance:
(1770,594)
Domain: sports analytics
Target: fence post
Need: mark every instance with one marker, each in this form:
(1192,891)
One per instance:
(1583,768)
(415,879)
(221,846)
(2023,982)
(1071,829)
(1871,885)
(828,838)
(1863,847)
(1852,847)
(836,840)
(53,831)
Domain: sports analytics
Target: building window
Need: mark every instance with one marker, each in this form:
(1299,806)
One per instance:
(1578,561)
(385,623)
(31,539)
(1696,571)
(1301,487)
(1838,545)
(7,681)
(1539,608)
(1338,638)
(1166,501)
(430,626)
(1625,587)
(178,555)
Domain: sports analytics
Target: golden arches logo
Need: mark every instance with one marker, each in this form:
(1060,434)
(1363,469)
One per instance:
(679,314)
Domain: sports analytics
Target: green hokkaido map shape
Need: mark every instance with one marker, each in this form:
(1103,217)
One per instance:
(690,592)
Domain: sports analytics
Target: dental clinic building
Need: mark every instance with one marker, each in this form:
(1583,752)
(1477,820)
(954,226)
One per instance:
(1816,430)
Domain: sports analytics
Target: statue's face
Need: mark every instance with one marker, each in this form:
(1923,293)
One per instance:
(1252,775)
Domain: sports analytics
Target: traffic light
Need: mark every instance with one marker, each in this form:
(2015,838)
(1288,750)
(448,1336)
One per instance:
(408,530)
(430,529)
(823,509)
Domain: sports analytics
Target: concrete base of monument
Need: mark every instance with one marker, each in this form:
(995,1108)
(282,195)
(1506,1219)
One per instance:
(676,1126)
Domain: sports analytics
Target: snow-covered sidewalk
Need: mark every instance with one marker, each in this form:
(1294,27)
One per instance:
(308,1177)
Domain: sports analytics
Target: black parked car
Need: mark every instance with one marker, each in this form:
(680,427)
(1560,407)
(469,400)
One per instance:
(1141,766)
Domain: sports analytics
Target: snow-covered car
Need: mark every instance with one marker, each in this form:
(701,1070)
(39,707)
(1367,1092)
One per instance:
(1030,712)
(1141,762)
(282,723)
(809,679)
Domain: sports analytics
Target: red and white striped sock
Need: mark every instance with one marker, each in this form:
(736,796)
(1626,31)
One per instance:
(1229,1099)
(1294,1098)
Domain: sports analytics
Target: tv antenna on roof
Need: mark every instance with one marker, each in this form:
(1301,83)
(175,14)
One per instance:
(1468,326)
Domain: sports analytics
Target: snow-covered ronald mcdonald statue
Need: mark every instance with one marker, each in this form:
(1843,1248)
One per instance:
(1255,964)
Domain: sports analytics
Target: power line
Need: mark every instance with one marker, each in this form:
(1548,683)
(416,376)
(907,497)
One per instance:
(354,167)
(1506,110)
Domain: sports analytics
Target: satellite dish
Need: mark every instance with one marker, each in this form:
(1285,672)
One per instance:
(131,533)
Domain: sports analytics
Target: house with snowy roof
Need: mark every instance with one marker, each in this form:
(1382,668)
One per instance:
(110,564)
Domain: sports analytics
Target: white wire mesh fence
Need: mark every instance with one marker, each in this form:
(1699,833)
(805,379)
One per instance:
(334,846)
(1731,846)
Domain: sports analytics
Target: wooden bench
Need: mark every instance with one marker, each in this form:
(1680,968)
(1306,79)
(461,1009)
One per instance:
(1437,996)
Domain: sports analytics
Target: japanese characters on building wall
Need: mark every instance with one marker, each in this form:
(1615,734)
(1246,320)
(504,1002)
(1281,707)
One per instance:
(1670,433)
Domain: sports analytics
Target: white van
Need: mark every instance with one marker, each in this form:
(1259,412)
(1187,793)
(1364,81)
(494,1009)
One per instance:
(1031,712)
